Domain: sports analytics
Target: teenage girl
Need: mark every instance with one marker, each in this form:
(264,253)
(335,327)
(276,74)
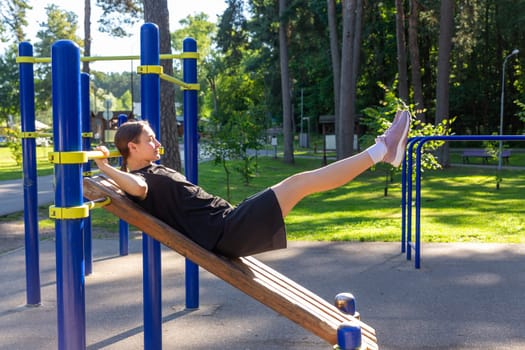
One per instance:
(255,225)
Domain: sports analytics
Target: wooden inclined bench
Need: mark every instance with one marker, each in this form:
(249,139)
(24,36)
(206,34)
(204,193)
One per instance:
(246,274)
(484,155)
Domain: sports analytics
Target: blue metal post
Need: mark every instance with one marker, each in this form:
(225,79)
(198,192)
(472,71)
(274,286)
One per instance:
(410,164)
(27,108)
(191,156)
(150,108)
(65,56)
(123,225)
(349,336)
(86,146)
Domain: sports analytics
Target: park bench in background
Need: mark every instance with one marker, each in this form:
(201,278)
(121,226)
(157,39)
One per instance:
(484,155)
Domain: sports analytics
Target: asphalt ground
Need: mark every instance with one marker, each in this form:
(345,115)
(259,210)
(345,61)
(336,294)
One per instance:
(465,296)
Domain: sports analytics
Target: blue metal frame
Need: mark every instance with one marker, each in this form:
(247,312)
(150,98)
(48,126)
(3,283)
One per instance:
(191,157)
(70,101)
(123,226)
(150,87)
(68,193)
(407,212)
(85,115)
(27,108)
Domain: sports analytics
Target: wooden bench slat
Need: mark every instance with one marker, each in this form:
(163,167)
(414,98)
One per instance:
(306,295)
(246,274)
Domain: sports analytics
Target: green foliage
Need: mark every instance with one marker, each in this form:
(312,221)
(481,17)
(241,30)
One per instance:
(9,83)
(60,25)
(118,17)
(15,144)
(377,119)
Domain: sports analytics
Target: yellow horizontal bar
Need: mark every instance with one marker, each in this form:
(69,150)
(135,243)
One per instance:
(73,157)
(79,212)
(99,203)
(32,59)
(34,134)
(158,70)
(100,155)
(87,134)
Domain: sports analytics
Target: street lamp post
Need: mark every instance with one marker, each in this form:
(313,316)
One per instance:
(514,52)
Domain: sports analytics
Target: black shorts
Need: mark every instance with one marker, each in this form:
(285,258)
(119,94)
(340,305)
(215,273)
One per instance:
(256,225)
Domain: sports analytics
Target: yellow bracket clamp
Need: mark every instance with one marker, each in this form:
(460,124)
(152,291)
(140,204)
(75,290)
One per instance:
(159,70)
(74,157)
(29,134)
(150,70)
(87,134)
(79,212)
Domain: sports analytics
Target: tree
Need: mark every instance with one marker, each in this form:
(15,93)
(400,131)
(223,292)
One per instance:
(118,16)
(334,55)
(349,67)
(443,75)
(156,11)
(13,19)
(415,62)
(60,25)
(286,83)
(401,51)
(87,34)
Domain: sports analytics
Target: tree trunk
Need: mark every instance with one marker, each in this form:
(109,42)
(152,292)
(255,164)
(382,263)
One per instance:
(446,25)
(87,34)
(345,134)
(401,52)
(355,70)
(285,84)
(156,11)
(336,58)
(414,58)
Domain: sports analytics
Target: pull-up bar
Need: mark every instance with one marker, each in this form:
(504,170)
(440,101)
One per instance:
(27,59)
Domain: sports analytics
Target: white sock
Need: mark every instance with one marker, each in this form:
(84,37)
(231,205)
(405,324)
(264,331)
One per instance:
(377,152)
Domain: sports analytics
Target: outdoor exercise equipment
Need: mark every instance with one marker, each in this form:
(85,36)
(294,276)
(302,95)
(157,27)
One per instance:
(415,146)
(70,211)
(247,274)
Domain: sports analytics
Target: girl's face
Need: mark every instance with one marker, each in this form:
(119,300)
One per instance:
(147,148)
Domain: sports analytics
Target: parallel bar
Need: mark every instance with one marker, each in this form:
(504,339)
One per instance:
(423,140)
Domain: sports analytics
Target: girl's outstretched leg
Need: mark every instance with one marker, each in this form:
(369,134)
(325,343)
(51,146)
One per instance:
(389,148)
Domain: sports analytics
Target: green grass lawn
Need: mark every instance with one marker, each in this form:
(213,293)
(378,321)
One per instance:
(9,170)
(459,204)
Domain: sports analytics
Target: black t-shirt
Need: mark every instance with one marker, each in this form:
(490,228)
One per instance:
(183,205)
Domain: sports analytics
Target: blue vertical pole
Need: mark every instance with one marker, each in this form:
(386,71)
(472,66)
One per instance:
(86,146)
(27,108)
(150,108)
(65,57)
(191,156)
(123,225)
